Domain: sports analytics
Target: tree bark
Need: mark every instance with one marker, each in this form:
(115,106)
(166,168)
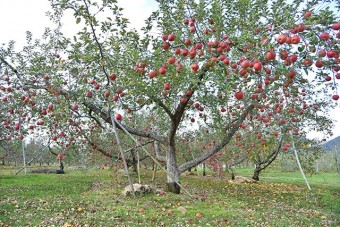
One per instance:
(204,172)
(256,175)
(172,171)
(263,164)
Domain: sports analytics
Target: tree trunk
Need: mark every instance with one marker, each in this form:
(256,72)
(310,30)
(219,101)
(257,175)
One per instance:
(204,173)
(233,172)
(172,171)
(134,164)
(256,175)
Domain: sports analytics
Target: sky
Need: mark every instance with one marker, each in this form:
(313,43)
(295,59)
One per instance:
(18,16)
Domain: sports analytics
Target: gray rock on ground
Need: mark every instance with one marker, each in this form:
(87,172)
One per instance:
(140,189)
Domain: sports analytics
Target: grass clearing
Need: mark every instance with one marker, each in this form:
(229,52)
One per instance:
(94,198)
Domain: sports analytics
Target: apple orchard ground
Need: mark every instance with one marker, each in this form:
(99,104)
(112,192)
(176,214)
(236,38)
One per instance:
(94,198)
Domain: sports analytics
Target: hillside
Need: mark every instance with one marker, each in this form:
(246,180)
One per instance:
(334,143)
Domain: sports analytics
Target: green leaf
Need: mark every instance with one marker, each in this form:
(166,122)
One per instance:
(78,20)
(301,48)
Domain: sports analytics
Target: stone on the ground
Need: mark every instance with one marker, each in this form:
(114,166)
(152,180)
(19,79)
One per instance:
(241,179)
(140,189)
(182,210)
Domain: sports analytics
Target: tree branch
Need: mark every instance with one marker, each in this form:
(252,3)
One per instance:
(184,167)
(164,107)
(271,157)
(101,52)
(158,151)
(9,65)
(131,130)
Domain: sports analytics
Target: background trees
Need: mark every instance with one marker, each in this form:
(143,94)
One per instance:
(245,67)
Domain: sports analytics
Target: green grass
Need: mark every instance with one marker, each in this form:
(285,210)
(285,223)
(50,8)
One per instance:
(94,198)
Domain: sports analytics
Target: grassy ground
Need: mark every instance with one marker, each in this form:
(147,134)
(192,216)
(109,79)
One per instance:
(94,198)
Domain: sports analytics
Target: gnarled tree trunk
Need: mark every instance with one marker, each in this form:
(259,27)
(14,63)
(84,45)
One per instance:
(172,171)
(256,175)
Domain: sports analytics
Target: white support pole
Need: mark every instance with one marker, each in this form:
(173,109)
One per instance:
(114,121)
(24,156)
(298,162)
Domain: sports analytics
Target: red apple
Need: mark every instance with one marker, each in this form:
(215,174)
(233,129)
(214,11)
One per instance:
(335,97)
(75,107)
(113,76)
(283,55)
(245,64)
(62,134)
(239,95)
(89,94)
(281,39)
(322,53)
(40,122)
(293,57)
(324,36)
(183,100)
(336,26)
(50,106)
(291,74)
(295,39)
(186,21)
(185,52)
(152,74)
(187,42)
(226,61)
(257,66)
(331,54)
(171,37)
(118,117)
(195,67)
(307,14)
(198,215)
(337,76)
(177,51)
(171,60)
(319,63)
(307,62)
(166,45)
(199,46)
(166,86)
(234,66)
(162,70)
(270,55)
(115,98)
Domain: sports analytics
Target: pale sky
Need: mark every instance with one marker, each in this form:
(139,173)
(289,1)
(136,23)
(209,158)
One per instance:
(18,16)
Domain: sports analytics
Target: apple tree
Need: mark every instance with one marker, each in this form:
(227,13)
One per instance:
(228,65)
